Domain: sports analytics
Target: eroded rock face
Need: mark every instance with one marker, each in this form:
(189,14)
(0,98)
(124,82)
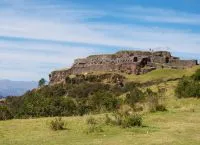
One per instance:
(130,62)
(112,78)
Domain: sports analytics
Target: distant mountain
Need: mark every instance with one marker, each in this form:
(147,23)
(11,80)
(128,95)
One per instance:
(1,97)
(15,88)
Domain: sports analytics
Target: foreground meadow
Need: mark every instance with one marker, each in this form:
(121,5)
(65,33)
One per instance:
(180,125)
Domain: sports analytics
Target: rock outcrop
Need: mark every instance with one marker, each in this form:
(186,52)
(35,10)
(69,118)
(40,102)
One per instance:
(130,62)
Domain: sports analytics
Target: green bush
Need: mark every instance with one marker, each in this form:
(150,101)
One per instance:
(57,124)
(161,107)
(76,98)
(132,120)
(5,114)
(68,106)
(134,97)
(103,101)
(124,120)
(187,87)
(130,86)
(93,126)
(196,75)
(154,100)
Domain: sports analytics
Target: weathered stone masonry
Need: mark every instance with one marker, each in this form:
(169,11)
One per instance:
(130,62)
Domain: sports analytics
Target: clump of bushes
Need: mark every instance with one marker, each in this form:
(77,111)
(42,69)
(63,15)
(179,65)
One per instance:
(155,100)
(160,107)
(188,87)
(103,101)
(124,120)
(132,120)
(196,75)
(93,126)
(5,114)
(57,124)
(134,96)
(78,97)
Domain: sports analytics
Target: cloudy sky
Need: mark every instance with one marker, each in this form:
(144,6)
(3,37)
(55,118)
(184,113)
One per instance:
(38,36)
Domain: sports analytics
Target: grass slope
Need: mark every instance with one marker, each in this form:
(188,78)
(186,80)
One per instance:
(158,74)
(162,74)
(178,126)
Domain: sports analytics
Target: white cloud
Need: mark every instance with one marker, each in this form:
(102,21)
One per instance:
(24,60)
(60,23)
(73,29)
(19,75)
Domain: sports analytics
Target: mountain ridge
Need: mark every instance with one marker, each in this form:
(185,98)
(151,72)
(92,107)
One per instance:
(15,88)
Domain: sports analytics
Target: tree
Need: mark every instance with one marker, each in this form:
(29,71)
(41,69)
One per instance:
(196,75)
(41,82)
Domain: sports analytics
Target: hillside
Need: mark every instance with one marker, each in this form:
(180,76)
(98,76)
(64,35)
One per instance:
(180,125)
(162,75)
(165,118)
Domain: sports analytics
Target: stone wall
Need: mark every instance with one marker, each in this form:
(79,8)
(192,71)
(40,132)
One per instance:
(130,62)
(183,63)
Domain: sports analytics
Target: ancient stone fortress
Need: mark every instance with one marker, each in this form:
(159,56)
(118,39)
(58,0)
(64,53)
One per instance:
(130,62)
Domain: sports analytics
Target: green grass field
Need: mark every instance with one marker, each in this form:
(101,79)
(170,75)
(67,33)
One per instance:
(158,75)
(178,126)
(162,74)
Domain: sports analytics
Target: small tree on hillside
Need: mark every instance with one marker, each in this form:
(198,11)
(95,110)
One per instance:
(196,75)
(41,82)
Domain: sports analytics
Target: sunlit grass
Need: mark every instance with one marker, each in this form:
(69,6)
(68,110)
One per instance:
(162,74)
(179,125)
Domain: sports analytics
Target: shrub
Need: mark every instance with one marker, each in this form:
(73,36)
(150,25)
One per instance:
(5,114)
(124,120)
(57,124)
(94,129)
(125,109)
(161,107)
(93,126)
(155,101)
(196,75)
(68,106)
(108,120)
(91,121)
(132,120)
(130,86)
(187,88)
(134,97)
(103,101)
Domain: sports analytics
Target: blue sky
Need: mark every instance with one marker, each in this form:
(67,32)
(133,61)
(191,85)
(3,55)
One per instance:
(38,36)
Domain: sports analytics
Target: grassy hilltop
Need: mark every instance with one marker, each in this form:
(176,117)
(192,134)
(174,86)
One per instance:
(180,124)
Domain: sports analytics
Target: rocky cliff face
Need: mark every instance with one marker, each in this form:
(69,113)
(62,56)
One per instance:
(130,62)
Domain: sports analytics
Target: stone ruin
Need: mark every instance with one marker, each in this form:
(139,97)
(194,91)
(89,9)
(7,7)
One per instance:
(130,62)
